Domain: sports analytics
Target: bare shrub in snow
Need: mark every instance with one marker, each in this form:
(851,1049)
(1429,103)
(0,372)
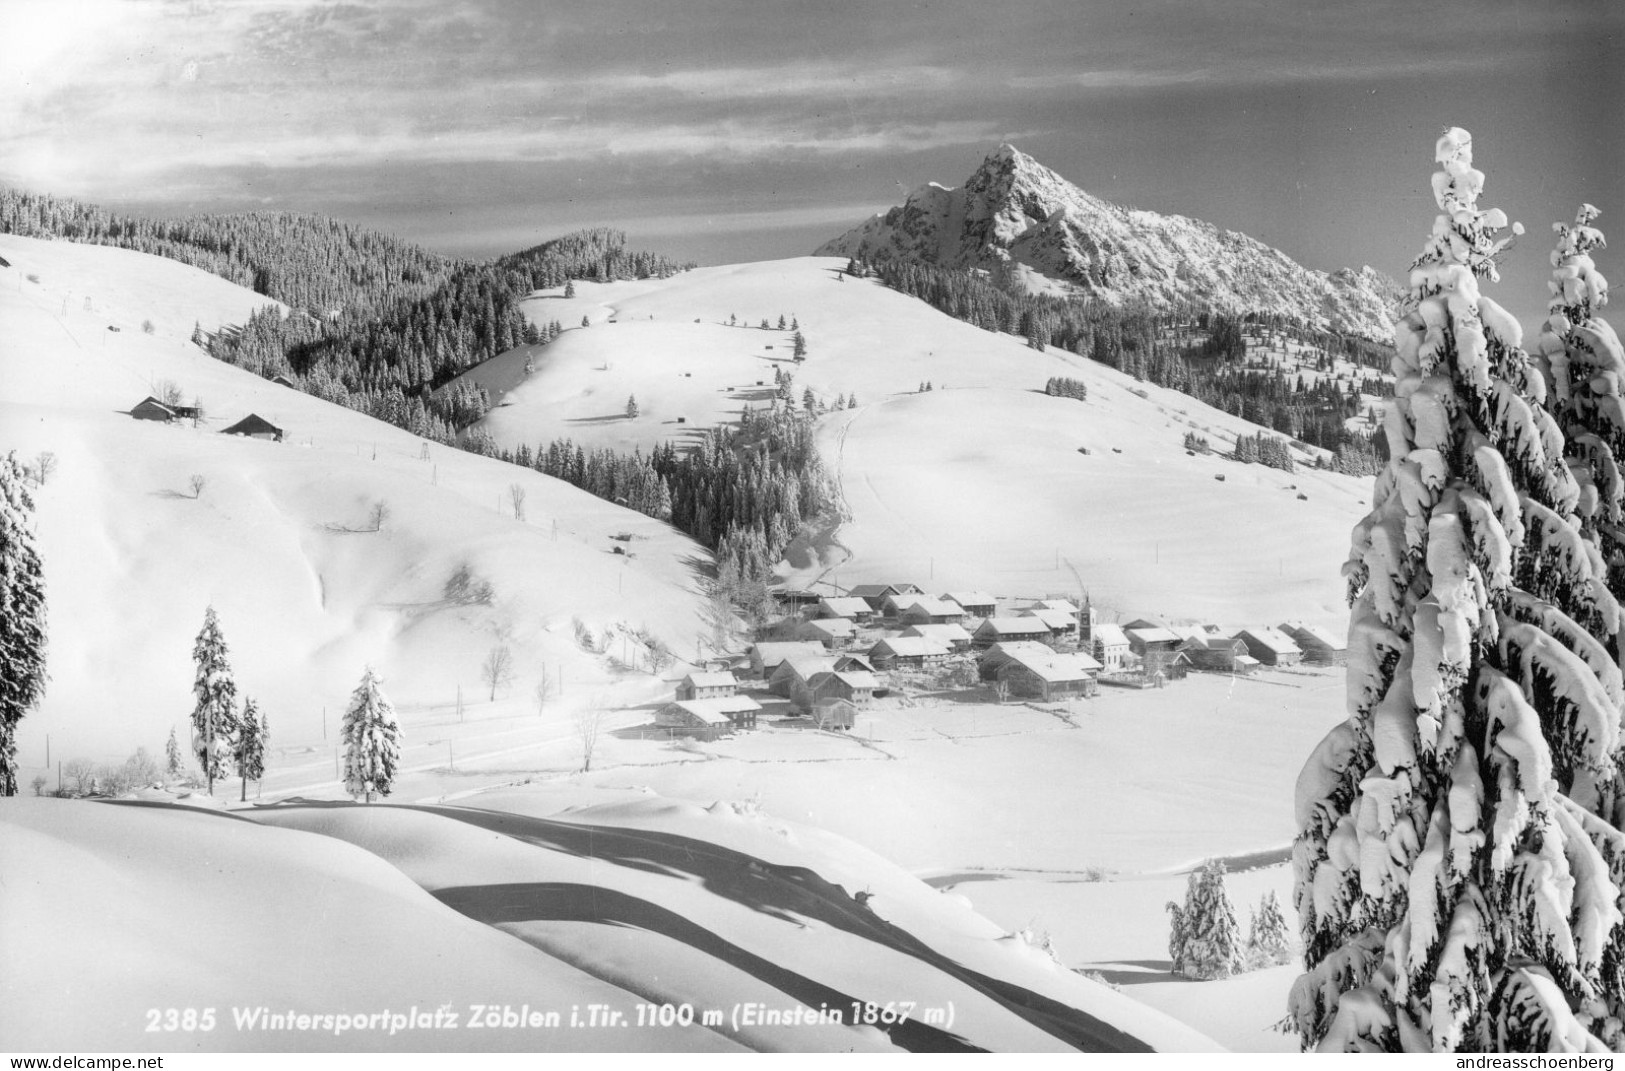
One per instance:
(588,723)
(497,669)
(464,588)
(197,483)
(1459,861)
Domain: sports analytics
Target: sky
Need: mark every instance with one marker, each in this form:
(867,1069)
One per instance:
(729,130)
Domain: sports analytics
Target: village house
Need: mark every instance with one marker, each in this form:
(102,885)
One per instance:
(974,603)
(953,637)
(1219,654)
(1060,623)
(1110,646)
(856,686)
(1032,669)
(850,660)
(924,610)
(1002,629)
(1155,646)
(795,599)
(834,714)
(845,606)
(1271,646)
(907,652)
(1063,605)
(832,632)
(797,669)
(1319,644)
(766,657)
(874,594)
(255,427)
(708,718)
(1144,622)
(707,685)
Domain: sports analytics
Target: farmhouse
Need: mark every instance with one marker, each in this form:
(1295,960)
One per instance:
(255,427)
(953,637)
(974,603)
(923,610)
(796,598)
(1059,622)
(1319,645)
(150,408)
(1001,629)
(1110,647)
(832,632)
(1156,647)
(1271,646)
(873,594)
(707,685)
(843,606)
(832,714)
(709,718)
(1219,654)
(766,657)
(1032,669)
(1062,605)
(904,652)
(797,669)
(856,686)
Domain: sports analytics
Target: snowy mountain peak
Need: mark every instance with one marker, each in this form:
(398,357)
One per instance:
(1024,222)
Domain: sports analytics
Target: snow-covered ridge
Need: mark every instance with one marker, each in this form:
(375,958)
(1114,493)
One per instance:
(1015,213)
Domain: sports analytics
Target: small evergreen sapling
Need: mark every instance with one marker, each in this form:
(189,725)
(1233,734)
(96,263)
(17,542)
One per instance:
(1269,942)
(372,740)
(174,764)
(249,752)
(214,717)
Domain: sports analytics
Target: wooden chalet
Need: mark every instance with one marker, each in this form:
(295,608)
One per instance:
(845,606)
(953,637)
(796,598)
(255,427)
(1109,644)
(709,718)
(1271,646)
(974,603)
(707,685)
(1004,629)
(1219,654)
(907,652)
(150,408)
(835,714)
(855,686)
(850,660)
(1059,622)
(1144,622)
(833,632)
(1063,605)
(1035,670)
(1319,645)
(766,657)
(282,380)
(924,610)
(873,594)
(797,669)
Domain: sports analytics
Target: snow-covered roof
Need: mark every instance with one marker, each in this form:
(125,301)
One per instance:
(804,666)
(1053,604)
(831,626)
(1055,619)
(1014,626)
(855,678)
(945,633)
(909,646)
(1273,638)
(773,652)
(1047,665)
(971,598)
(715,679)
(1110,635)
(933,607)
(1298,630)
(846,606)
(1153,635)
(702,711)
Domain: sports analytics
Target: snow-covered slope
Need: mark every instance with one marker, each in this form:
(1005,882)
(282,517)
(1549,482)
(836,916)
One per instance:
(1014,214)
(725,916)
(977,483)
(279,537)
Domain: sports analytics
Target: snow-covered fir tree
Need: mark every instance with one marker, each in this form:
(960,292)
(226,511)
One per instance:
(22,615)
(1457,887)
(1204,939)
(372,740)
(631,406)
(174,764)
(1269,941)
(1582,362)
(214,716)
(249,747)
